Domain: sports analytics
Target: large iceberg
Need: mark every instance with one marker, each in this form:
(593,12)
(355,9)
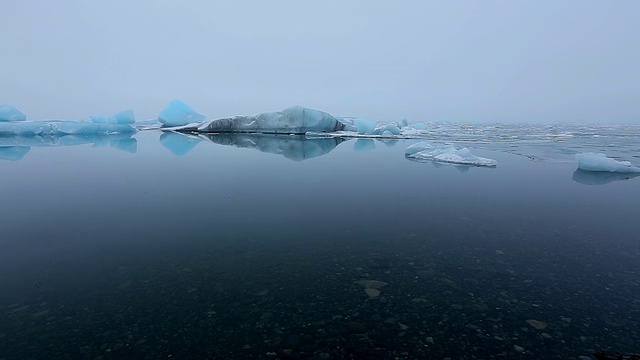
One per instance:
(293,120)
(177,113)
(423,151)
(602,163)
(10,113)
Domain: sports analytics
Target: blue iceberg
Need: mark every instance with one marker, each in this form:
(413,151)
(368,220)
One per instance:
(177,113)
(365,126)
(602,163)
(10,113)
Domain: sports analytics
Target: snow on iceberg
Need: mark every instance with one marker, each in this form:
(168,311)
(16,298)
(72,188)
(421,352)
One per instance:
(177,113)
(602,163)
(423,151)
(293,120)
(10,113)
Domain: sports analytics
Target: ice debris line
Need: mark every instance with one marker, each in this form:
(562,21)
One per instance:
(601,163)
(178,116)
(13,123)
(423,151)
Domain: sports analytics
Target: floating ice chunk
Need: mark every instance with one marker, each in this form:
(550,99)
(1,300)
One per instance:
(365,126)
(293,120)
(403,122)
(124,117)
(177,113)
(600,162)
(387,129)
(10,113)
(364,145)
(178,144)
(446,154)
(417,147)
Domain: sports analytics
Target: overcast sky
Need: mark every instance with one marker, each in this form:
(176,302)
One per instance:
(546,61)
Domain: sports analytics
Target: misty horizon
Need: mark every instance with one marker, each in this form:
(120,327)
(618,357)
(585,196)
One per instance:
(497,61)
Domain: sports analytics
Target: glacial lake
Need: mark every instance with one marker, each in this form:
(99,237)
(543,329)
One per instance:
(279,247)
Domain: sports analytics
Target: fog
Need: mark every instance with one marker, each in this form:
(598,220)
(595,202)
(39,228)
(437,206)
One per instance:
(505,61)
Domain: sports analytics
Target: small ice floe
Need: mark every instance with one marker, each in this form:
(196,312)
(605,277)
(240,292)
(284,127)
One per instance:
(423,151)
(602,163)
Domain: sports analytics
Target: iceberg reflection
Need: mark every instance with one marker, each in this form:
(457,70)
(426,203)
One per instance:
(600,177)
(16,147)
(179,144)
(294,147)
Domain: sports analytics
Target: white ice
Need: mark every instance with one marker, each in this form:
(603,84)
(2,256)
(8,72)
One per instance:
(177,113)
(602,163)
(10,113)
(447,154)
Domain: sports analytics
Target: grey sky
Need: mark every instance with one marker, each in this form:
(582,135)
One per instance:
(428,60)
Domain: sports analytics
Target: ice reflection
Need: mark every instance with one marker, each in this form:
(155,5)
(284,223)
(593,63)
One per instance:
(293,147)
(14,148)
(600,177)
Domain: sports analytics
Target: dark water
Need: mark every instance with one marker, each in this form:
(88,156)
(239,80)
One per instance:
(207,248)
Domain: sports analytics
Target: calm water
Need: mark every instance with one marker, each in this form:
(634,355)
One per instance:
(165,246)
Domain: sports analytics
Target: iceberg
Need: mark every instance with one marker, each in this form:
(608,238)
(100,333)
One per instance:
(293,147)
(365,126)
(387,129)
(177,113)
(293,120)
(423,151)
(10,113)
(601,163)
